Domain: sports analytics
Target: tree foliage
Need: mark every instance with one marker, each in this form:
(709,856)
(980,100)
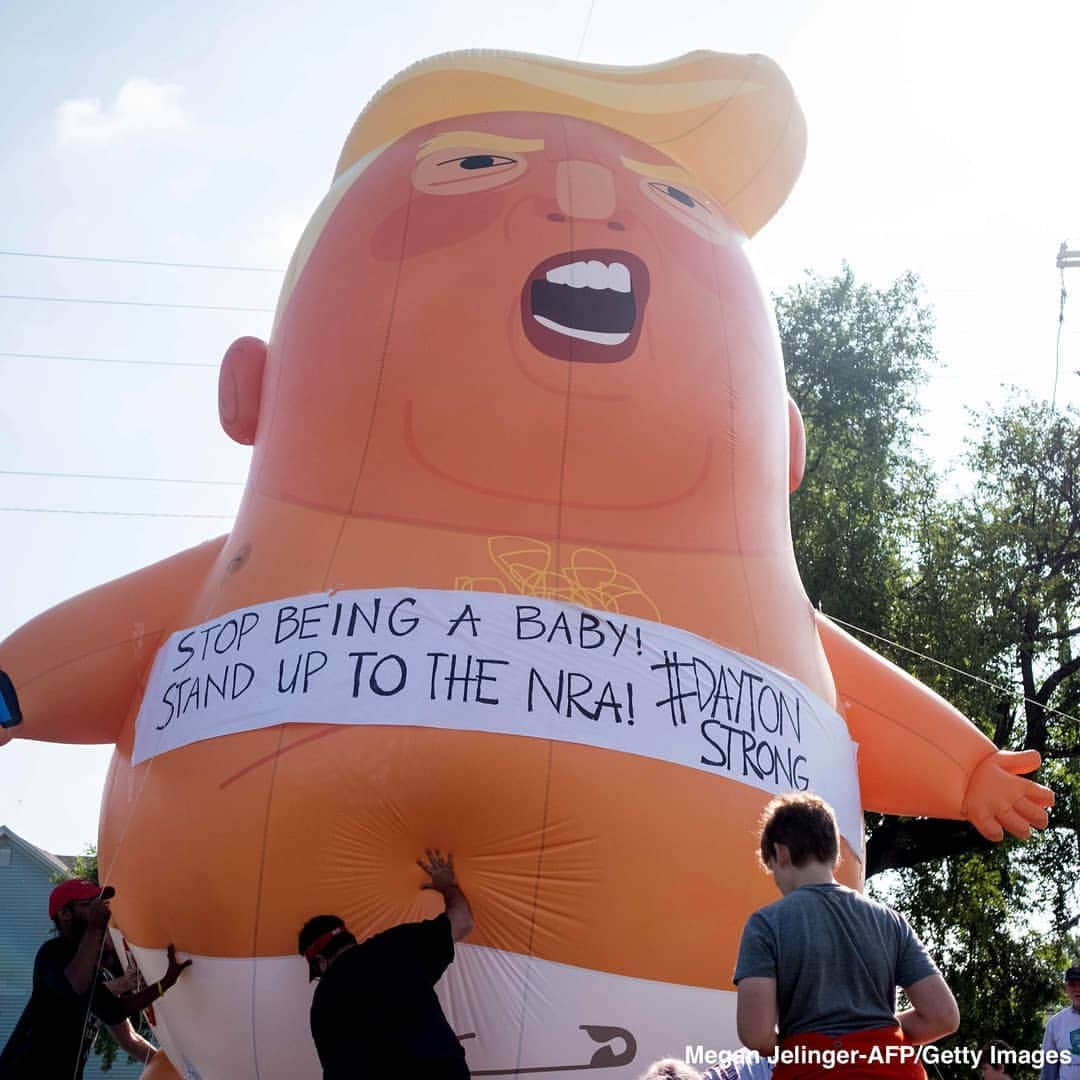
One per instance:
(981,592)
(856,358)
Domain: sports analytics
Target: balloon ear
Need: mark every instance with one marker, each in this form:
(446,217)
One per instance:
(796,446)
(240,388)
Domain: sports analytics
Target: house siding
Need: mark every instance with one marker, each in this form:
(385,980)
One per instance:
(25,883)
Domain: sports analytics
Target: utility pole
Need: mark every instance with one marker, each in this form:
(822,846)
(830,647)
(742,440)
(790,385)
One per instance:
(1067,259)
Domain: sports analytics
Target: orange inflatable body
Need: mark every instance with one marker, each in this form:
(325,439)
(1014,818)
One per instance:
(512,577)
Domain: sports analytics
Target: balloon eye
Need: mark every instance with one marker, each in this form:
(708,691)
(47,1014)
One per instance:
(466,171)
(479,161)
(678,195)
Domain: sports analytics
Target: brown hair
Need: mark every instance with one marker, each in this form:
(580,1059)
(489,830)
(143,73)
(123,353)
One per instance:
(805,824)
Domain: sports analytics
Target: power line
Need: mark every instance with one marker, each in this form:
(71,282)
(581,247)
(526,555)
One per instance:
(585,29)
(107,360)
(106,513)
(141,262)
(949,667)
(133,303)
(110,476)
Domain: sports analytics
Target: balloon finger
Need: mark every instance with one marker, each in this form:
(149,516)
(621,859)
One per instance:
(989,828)
(1020,762)
(1016,824)
(1032,812)
(1043,796)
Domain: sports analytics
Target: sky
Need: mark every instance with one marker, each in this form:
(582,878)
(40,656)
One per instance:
(942,139)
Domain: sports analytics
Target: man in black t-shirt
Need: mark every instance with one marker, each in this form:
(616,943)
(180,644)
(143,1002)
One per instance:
(77,987)
(375,1012)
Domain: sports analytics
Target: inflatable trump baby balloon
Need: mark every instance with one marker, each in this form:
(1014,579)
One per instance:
(512,577)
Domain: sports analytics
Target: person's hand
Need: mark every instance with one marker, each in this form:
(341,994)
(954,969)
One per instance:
(98,913)
(441,870)
(174,970)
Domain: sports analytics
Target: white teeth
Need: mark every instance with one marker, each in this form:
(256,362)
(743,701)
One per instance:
(596,275)
(597,337)
(619,277)
(591,275)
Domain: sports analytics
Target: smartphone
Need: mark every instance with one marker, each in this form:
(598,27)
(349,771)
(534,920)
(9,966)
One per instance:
(10,713)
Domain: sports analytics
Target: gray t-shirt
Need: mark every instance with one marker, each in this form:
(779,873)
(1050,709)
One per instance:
(837,958)
(1062,1033)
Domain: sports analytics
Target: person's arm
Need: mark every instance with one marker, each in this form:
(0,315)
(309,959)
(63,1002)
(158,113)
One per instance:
(82,970)
(131,1042)
(933,1013)
(135,1003)
(757,1007)
(443,880)
(756,1014)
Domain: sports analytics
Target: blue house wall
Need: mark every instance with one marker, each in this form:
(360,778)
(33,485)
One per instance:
(26,874)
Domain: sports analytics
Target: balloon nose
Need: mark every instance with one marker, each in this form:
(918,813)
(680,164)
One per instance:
(585,189)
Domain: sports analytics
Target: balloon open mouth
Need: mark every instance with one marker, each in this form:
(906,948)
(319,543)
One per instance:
(586,305)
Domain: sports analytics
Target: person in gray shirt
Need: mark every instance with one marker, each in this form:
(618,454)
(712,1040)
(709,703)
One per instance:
(822,964)
(1061,1042)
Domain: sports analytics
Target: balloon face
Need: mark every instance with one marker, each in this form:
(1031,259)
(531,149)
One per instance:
(526,322)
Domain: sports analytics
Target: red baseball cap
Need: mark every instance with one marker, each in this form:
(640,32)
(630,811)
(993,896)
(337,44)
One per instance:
(67,892)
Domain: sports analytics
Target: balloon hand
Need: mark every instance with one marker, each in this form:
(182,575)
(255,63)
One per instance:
(999,799)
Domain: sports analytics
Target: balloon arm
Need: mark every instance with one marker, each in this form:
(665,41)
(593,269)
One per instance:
(76,667)
(918,755)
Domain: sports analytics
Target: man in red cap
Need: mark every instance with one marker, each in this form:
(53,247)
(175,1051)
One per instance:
(76,989)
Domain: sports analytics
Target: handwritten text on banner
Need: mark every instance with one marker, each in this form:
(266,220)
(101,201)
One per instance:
(506,664)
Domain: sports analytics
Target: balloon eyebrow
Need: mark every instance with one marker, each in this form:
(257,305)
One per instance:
(478,142)
(670,174)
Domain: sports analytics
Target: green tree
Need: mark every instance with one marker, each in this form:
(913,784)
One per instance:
(996,592)
(856,358)
(986,584)
(85,866)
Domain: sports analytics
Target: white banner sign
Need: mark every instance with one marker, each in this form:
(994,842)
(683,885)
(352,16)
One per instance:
(506,664)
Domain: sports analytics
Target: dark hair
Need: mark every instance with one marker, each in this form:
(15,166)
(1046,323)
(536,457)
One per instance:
(998,1053)
(314,929)
(805,824)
